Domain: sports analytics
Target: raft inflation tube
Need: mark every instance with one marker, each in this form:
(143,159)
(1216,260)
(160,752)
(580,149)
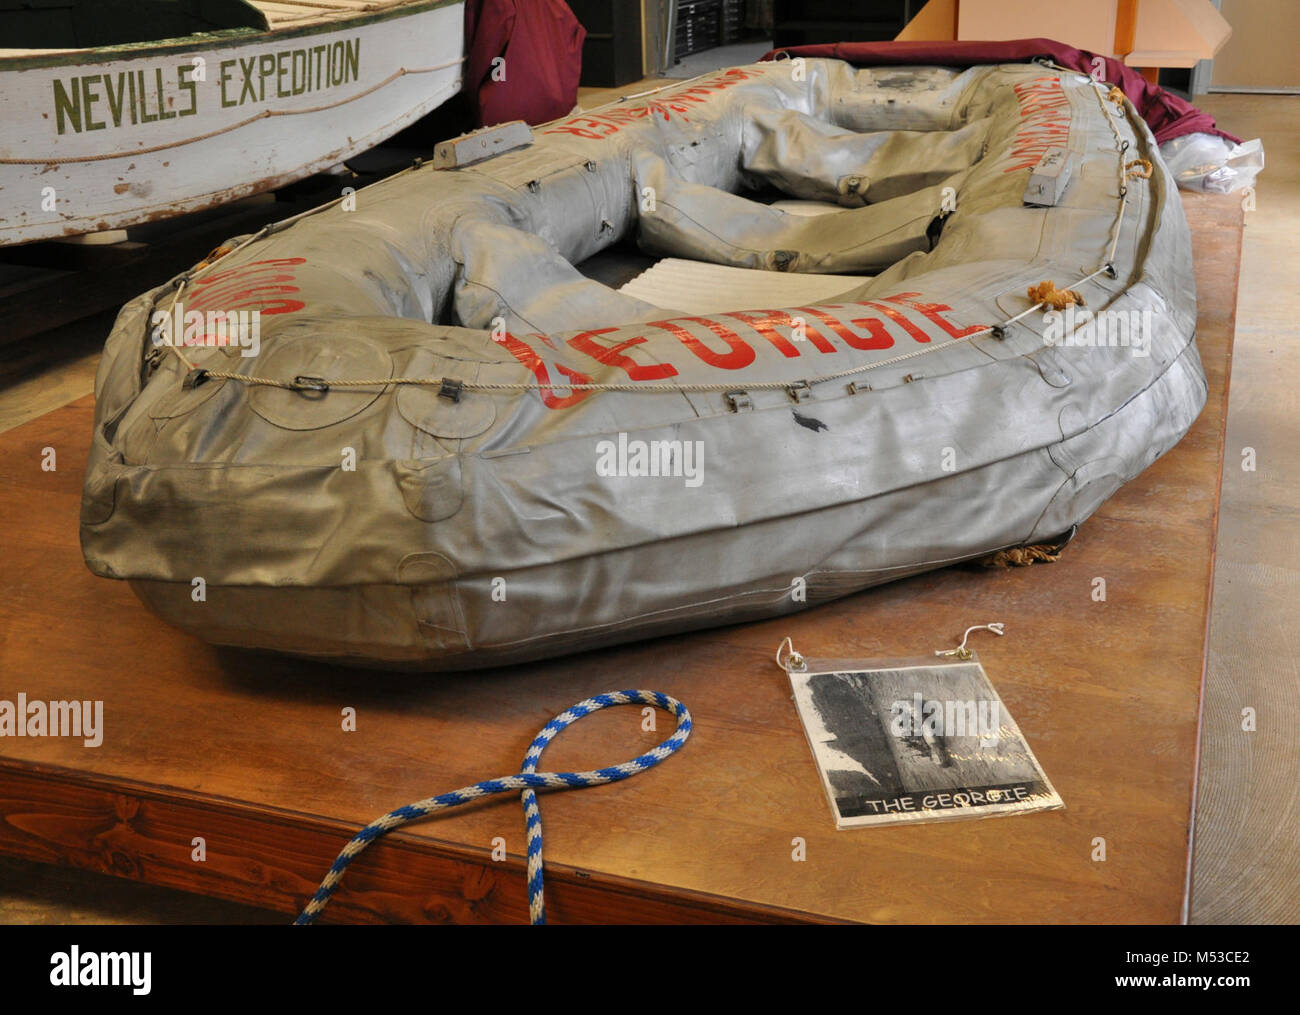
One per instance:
(453,449)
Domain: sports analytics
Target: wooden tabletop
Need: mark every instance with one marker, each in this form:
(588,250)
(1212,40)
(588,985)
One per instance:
(247,752)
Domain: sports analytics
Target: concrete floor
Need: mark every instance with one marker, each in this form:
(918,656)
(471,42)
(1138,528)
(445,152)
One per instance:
(1247,847)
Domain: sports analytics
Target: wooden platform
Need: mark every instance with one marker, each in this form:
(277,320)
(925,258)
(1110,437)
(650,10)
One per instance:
(247,751)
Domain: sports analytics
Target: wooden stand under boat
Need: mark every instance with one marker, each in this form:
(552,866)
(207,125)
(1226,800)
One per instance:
(106,126)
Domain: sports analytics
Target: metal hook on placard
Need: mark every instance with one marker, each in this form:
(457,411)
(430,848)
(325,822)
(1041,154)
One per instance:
(793,662)
(961,651)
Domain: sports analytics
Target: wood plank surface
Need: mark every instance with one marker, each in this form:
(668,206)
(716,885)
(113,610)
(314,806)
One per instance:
(247,751)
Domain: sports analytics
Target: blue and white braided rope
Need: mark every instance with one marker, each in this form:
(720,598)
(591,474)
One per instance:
(529,780)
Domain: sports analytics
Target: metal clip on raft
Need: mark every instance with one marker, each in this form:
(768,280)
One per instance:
(451,389)
(310,382)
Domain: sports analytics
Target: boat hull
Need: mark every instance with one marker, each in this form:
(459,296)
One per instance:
(101,139)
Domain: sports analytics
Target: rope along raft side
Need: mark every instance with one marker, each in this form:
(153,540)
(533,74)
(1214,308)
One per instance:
(625,469)
(529,780)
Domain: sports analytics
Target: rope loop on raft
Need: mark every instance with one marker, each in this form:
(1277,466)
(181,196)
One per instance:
(529,780)
(1139,169)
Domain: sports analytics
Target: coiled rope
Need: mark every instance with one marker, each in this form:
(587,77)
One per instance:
(529,780)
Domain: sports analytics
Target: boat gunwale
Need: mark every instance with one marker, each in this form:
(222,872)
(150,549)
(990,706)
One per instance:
(221,38)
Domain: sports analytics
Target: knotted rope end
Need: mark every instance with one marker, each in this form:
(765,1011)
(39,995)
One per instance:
(1058,299)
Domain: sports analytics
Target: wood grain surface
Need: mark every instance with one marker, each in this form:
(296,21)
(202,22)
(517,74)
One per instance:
(1247,867)
(247,751)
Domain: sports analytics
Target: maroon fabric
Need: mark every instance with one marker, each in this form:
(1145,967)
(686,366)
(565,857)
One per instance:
(1166,114)
(541,42)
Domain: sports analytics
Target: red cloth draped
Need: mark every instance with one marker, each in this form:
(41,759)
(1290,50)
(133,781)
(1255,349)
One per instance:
(541,42)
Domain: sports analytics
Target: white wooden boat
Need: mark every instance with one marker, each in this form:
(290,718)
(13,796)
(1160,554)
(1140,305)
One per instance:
(115,113)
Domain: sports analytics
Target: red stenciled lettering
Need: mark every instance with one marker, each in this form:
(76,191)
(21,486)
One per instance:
(741,355)
(873,333)
(878,337)
(895,315)
(525,354)
(612,355)
(1045,121)
(281,306)
(218,276)
(765,322)
(250,283)
(596,125)
(1043,137)
(234,299)
(204,295)
(932,311)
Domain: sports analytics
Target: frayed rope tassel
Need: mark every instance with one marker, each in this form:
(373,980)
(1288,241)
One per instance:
(1023,556)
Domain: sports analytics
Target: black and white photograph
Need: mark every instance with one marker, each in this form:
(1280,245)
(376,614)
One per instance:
(918,743)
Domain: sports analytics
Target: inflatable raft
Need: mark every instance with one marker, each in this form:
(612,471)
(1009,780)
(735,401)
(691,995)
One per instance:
(440,445)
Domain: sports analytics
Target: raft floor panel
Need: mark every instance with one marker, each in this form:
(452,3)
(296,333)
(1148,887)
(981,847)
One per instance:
(698,288)
(248,753)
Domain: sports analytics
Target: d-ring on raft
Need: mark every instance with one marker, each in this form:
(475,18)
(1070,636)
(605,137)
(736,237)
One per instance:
(529,780)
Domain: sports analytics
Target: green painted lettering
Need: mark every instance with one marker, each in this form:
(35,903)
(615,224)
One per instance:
(354,58)
(88,98)
(320,53)
(67,107)
(163,112)
(336,64)
(265,68)
(226,103)
(246,68)
(299,81)
(116,103)
(140,94)
(182,74)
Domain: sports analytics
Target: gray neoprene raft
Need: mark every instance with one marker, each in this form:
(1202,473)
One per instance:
(452,448)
